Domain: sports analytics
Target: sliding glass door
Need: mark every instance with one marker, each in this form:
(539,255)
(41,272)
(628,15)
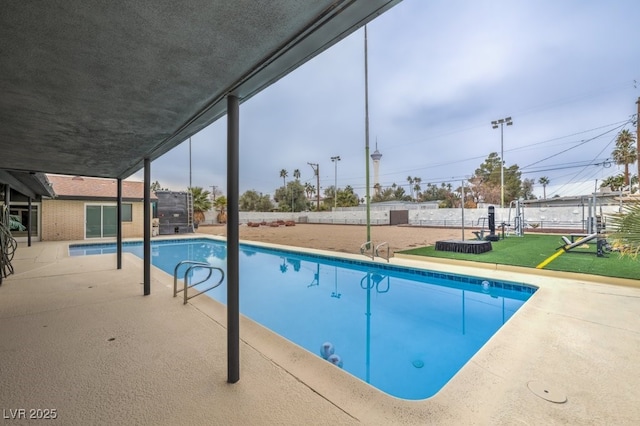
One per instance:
(101,221)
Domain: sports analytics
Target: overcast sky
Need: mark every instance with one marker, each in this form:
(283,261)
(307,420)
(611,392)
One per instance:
(439,72)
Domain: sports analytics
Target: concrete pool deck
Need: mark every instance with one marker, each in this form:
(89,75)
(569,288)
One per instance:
(77,336)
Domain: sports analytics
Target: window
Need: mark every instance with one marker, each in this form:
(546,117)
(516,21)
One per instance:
(20,216)
(127,212)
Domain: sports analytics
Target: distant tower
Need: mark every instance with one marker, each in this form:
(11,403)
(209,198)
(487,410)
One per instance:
(376,156)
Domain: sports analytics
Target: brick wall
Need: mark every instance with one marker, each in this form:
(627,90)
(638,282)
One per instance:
(64,220)
(135,228)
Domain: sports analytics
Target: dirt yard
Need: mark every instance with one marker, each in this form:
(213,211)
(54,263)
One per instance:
(342,238)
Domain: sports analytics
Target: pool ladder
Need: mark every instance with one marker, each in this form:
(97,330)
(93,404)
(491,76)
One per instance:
(374,281)
(375,251)
(194,265)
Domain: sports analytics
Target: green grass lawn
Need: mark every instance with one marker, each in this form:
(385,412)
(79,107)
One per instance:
(532,249)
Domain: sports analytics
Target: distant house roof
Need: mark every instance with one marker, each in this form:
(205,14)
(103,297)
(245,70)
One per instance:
(602,197)
(83,188)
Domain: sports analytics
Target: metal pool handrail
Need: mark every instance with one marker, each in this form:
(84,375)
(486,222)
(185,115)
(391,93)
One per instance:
(175,273)
(187,285)
(378,249)
(194,265)
(364,247)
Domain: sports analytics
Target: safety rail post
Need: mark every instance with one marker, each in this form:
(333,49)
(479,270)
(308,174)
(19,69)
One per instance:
(175,273)
(187,285)
(378,250)
(364,247)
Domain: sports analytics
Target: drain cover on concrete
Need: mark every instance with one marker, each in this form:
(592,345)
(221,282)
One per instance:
(547,392)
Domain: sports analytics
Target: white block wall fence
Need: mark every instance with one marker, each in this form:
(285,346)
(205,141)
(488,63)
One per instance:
(534,217)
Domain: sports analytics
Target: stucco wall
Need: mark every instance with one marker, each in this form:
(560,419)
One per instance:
(541,217)
(64,220)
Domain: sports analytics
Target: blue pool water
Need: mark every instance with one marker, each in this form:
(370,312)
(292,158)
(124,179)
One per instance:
(405,331)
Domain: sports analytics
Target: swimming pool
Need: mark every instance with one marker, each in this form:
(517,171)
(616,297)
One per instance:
(405,331)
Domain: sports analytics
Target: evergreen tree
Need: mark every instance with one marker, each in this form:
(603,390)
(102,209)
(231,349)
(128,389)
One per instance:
(486,182)
(253,201)
(291,194)
(527,189)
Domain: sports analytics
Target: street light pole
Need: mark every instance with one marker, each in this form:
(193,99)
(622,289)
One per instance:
(494,124)
(335,187)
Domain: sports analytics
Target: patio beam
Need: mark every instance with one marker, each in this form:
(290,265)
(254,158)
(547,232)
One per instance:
(233,238)
(119,226)
(7,195)
(29,223)
(147,227)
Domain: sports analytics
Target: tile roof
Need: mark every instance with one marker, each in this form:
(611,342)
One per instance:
(86,187)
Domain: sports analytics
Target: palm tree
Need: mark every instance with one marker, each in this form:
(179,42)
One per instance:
(283,175)
(625,152)
(614,183)
(296,174)
(309,189)
(626,227)
(201,203)
(417,181)
(410,180)
(544,181)
(221,205)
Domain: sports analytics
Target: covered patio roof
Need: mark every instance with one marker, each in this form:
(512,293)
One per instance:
(30,184)
(101,89)
(93,88)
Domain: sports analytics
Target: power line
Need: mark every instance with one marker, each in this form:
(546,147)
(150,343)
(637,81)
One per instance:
(618,125)
(535,144)
(605,163)
(577,174)
(575,146)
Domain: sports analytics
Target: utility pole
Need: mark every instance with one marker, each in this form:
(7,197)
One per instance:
(213,191)
(316,170)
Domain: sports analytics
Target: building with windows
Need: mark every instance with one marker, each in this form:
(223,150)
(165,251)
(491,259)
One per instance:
(23,192)
(85,208)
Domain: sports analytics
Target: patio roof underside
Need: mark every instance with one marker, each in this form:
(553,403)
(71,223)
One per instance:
(93,88)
